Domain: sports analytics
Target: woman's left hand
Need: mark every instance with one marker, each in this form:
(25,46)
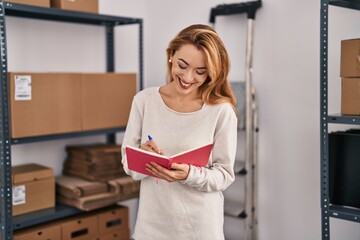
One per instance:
(178,172)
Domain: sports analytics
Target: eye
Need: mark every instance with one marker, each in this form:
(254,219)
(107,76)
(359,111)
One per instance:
(201,71)
(182,65)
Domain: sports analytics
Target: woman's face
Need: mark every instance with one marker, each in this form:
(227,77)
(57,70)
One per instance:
(189,69)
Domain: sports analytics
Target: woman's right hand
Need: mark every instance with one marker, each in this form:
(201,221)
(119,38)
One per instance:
(151,146)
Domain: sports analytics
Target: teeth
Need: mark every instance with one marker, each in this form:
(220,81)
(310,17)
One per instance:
(185,84)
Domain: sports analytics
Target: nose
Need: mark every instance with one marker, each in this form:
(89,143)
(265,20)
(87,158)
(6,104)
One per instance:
(189,75)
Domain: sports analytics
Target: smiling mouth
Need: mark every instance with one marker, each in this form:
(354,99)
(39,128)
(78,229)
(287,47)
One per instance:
(184,85)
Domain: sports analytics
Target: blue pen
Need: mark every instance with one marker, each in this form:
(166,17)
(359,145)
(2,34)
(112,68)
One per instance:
(150,139)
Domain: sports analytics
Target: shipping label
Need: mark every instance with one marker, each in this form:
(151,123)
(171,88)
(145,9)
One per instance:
(22,87)
(19,195)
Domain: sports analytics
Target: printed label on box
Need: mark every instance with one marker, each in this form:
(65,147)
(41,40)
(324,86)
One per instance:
(18,195)
(22,87)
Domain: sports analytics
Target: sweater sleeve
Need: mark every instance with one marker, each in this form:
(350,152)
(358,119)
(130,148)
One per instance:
(132,137)
(220,174)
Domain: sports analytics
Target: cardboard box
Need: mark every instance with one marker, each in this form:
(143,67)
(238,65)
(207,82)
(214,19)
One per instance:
(82,228)
(113,220)
(106,99)
(39,3)
(95,162)
(91,6)
(54,103)
(27,179)
(44,103)
(350,96)
(119,235)
(40,232)
(350,58)
(95,154)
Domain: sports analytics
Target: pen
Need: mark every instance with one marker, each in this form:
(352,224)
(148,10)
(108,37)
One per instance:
(159,151)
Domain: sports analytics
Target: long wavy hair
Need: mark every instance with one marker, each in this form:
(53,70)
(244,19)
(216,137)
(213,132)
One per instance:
(216,88)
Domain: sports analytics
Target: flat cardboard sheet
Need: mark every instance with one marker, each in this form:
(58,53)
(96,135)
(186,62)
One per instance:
(73,187)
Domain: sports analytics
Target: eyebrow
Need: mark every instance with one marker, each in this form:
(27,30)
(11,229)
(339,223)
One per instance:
(182,60)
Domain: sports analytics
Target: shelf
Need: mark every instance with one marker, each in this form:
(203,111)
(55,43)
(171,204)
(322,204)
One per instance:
(234,208)
(342,119)
(331,210)
(65,135)
(8,222)
(54,14)
(352,4)
(239,167)
(31,219)
(346,213)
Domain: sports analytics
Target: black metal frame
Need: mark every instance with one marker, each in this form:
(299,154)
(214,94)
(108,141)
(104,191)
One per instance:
(327,209)
(7,222)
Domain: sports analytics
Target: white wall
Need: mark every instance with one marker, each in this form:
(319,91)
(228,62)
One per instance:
(286,74)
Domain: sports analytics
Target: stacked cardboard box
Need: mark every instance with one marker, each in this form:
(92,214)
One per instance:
(94,177)
(90,195)
(105,224)
(350,74)
(98,162)
(27,179)
(84,194)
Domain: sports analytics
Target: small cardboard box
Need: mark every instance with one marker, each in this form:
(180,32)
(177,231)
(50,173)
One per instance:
(44,103)
(82,228)
(39,3)
(91,6)
(113,220)
(350,96)
(40,232)
(106,99)
(350,58)
(118,235)
(33,188)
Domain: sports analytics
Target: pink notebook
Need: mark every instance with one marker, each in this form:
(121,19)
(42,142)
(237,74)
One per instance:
(137,158)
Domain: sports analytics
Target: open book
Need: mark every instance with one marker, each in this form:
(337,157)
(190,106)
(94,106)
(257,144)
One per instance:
(137,158)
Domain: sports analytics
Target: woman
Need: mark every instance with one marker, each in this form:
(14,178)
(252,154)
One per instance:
(195,107)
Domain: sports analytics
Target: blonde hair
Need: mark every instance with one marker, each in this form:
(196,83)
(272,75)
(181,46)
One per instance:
(216,88)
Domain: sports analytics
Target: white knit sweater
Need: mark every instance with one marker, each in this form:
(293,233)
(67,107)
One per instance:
(193,208)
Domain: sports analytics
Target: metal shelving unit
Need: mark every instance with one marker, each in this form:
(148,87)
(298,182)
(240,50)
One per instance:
(242,208)
(9,223)
(328,209)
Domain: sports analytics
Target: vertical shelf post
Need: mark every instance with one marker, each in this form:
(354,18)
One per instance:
(5,151)
(110,64)
(110,47)
(324,158)
(141,55)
